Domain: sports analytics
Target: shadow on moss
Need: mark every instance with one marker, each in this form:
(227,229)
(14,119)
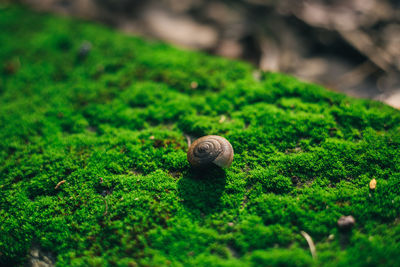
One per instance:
(201,190)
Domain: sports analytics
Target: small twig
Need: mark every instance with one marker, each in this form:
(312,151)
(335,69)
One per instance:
(59,183)
(189,141)
(105,202)
(365,45)
(310,244)
(244,202)
(246,197)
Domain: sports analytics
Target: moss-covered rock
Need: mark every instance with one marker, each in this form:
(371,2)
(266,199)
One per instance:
(111,123)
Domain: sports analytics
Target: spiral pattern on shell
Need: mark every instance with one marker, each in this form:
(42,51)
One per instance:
(210,149)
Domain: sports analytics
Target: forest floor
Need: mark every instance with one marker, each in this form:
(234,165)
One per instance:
(93,168)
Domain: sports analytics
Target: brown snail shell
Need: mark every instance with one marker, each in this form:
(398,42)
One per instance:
(210,149)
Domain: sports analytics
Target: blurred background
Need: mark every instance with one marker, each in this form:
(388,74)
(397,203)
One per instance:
(352,46)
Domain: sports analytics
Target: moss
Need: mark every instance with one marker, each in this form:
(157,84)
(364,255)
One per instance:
(112,125)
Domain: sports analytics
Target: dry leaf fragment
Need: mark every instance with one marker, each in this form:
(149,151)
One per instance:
(372,184)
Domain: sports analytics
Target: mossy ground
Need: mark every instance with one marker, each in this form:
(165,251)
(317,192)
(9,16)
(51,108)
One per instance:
(112,124)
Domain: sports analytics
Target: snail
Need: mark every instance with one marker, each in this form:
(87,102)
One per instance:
(210,149)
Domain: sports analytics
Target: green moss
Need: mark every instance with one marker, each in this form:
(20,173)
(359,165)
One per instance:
(112,125)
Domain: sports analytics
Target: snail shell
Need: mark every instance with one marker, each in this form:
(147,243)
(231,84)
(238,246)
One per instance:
(210,149)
